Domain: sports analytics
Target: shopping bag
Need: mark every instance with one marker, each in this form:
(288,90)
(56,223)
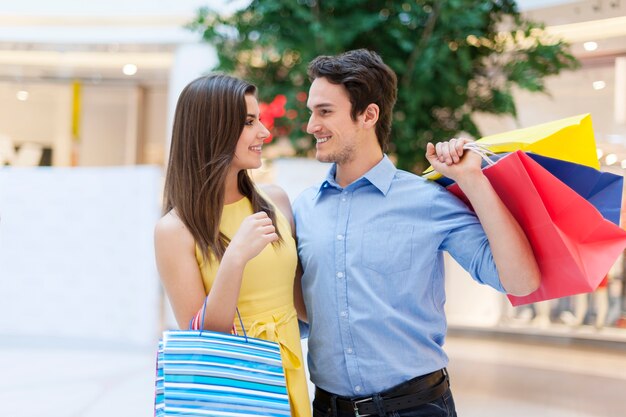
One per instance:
(573,244)
(158,386)
(570,139)
(206,373)
(602,189)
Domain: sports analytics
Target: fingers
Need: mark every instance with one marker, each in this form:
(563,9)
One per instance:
(261,215)
(271,237)
(261,218)
(458,146)
(449,152)
(430,151)
(265,225)
(254,234)
(445,153)
(268,229)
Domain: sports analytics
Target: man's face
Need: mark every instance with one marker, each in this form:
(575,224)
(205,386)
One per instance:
(337,135)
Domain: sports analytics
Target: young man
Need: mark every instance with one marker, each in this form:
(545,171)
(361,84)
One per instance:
(370,240)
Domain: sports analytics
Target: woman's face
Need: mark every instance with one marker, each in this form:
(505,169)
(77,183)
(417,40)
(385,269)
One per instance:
(248,150)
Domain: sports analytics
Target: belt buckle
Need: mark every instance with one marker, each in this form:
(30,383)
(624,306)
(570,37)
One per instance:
(355,406)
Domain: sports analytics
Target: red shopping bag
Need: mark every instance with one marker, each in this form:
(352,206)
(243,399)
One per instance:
(574,245)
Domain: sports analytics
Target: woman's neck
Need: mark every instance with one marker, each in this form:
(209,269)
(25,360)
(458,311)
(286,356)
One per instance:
(231,189)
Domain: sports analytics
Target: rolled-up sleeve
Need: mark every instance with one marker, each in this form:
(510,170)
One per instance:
(464,238)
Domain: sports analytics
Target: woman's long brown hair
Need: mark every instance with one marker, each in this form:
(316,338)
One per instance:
(210,116)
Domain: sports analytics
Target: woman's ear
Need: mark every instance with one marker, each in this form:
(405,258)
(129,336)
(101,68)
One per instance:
(370,115)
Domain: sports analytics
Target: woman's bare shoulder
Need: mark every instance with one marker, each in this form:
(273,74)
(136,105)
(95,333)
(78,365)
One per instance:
(172,229)
(277,195)
(281,200)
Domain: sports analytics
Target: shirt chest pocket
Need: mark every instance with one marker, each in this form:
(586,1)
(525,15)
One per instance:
(388,248)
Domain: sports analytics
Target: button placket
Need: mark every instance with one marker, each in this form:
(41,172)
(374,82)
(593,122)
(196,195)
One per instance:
(342,240)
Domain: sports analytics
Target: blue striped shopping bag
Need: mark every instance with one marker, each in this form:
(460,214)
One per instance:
(158,385)
(206,373)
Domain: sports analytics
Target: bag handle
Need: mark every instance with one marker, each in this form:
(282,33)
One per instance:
(200,325)
(482,150)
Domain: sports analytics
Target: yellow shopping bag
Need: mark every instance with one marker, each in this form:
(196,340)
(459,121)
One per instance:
(569,139)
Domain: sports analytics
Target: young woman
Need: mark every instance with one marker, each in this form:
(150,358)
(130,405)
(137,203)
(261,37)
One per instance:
(221,238)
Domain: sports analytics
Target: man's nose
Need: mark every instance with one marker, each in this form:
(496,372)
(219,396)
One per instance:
(312,126)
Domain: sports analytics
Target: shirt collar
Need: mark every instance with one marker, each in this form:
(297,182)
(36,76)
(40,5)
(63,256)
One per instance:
(380,176)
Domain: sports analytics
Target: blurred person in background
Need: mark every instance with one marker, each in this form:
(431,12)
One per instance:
(222,239)
(370,241)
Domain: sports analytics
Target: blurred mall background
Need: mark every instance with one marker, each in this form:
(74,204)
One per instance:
(81,307)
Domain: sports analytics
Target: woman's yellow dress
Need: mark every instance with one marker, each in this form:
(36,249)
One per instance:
(266,298)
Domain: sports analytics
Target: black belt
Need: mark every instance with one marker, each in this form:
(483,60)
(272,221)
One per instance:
(413,393)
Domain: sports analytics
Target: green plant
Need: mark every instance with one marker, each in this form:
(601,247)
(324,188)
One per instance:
(452,58)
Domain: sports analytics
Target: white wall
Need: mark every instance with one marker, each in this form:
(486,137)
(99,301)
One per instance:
(104,123)
(76,255)
(156,132)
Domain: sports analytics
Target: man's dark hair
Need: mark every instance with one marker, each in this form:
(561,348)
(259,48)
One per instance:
(367,79)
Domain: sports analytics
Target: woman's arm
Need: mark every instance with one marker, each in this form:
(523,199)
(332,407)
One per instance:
(178,269)
(181,277)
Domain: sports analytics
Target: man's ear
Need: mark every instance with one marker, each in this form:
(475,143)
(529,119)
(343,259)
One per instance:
(370,115)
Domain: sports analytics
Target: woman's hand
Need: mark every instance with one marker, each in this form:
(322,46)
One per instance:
(254,234)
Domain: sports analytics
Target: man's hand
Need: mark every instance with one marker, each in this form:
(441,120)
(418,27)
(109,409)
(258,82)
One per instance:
(512,253)
(451,160)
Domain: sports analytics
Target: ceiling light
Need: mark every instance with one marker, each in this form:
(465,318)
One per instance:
(599,85)
(610,159)
(22,95)
(590,46)
(129,69)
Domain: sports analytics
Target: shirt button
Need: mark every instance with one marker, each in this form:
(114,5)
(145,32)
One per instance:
(349,350)
(339,274)
(343,199)
(339,237)
(344,313)
(357,388)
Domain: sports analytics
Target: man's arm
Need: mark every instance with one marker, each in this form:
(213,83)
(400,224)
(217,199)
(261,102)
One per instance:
(513,256)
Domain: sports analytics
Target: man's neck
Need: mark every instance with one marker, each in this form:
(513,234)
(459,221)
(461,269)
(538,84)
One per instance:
(351,171)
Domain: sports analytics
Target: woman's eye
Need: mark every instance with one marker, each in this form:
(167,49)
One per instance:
(249,122)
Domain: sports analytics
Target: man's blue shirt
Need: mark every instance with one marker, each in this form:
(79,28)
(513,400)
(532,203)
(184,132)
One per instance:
(373,278)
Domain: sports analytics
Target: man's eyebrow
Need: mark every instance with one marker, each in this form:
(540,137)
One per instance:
(320,105)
